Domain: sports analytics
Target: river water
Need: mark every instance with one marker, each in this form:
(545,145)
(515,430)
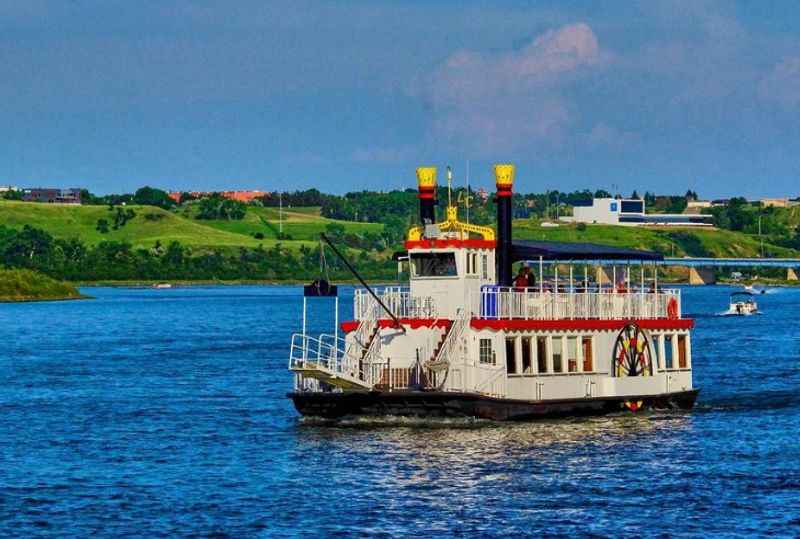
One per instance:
(163,413)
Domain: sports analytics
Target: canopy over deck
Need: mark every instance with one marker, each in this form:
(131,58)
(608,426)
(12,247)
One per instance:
(558,250)
(562,251)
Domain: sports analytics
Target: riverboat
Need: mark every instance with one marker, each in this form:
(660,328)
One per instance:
(460,340)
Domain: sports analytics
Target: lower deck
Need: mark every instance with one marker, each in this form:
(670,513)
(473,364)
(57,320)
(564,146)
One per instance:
(454,404)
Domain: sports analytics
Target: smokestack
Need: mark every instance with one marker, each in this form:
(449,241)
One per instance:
(426,182)
(504,178)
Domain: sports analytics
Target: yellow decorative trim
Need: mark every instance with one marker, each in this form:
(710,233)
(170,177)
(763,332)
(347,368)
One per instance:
(452,224)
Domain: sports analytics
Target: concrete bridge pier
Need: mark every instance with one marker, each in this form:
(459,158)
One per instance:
(791,274)
(701,275)
(603,276)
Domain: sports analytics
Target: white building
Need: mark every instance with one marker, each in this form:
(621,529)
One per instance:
(612,211)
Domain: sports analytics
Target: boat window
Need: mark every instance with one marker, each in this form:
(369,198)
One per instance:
(474,257)
(541,354)
(588,358)
(682,363)
(668,351)
(657,350)
(486,353)
(527,368)
(511,356)
(485,266)
(572,354)
(557,351)
(433,265)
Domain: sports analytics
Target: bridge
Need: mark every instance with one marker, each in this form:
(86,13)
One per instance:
(700,268)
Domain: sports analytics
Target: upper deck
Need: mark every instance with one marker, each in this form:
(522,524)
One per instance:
(546,302)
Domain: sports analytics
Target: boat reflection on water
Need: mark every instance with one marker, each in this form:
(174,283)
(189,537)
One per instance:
(461,452)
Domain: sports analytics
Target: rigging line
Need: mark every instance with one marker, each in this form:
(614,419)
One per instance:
(362,281)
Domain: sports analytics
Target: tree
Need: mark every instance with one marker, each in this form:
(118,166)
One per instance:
(102,226)
(216,207)
(149,196)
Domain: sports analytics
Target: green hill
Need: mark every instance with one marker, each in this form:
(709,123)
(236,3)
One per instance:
(304,224)
(152,224)
(27,285)
(670,241)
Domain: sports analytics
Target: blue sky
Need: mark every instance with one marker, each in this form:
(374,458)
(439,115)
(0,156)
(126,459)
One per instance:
(660,96)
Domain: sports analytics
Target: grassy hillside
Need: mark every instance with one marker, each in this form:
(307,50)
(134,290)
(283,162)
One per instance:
(153,225)
(26,285)
(303,225)
(672,241)
(150,225)
(300,224)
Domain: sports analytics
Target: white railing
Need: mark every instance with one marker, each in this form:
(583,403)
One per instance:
(535,304)
(398,300)
(327,353)
(453,339)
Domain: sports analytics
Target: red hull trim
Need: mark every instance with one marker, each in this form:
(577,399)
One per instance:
(413,323)
(535,325)
(582,325)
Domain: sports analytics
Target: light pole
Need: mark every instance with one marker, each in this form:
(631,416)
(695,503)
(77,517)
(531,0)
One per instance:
(280,213)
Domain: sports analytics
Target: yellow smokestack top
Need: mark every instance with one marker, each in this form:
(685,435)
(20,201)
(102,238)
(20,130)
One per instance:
(426,178)
(504,176)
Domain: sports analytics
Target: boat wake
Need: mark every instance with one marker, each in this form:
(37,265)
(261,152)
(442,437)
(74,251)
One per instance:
(371,422)
(732,312)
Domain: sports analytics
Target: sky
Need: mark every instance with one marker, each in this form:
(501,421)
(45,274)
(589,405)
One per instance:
(282,95)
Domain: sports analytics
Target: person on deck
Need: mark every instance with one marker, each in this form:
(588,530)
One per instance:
(530,276)
(521,280)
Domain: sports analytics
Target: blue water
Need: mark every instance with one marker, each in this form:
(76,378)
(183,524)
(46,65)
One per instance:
(163,413)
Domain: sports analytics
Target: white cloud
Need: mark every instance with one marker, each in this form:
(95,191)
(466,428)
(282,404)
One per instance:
(512,100)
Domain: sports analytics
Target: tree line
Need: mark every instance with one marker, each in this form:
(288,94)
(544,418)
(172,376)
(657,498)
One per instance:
(74,260)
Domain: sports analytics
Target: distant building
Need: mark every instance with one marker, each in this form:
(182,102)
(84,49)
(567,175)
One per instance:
(52,195)
(775,202)
(611,211)
(698,204)
(241,196)
(7,188)
(483,194)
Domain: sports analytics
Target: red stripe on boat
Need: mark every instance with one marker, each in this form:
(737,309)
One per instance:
(413,323)
(443,244)
(583,325)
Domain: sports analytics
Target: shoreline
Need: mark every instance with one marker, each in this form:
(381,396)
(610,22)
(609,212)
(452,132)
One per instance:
(347,282)
(32,299)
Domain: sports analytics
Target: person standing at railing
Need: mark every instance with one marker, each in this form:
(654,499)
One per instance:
(521,280)
(529,275)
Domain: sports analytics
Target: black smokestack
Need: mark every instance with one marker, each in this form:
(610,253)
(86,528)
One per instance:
(426,182)
(504,177)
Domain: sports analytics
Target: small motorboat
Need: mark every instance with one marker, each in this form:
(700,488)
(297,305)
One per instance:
(162,286)
(742,304)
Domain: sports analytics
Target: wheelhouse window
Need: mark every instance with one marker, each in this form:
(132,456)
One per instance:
(433,265)
(588,357)
(511,356)
(486,354)
(558,345)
